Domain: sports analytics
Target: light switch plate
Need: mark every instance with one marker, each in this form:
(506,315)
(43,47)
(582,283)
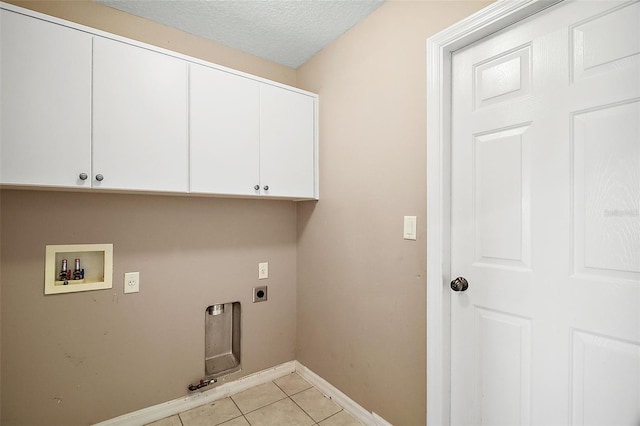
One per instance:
(410,228)
(263,270)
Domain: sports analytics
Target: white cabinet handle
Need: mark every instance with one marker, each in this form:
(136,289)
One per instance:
(83,176)
(99,177)
(266,187)
(257,187)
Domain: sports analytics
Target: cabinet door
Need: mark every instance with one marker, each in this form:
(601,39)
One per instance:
(287,137)
(224,132)
(45,128)
(140,134)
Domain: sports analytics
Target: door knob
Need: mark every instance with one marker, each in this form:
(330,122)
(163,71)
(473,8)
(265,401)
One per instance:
(99,177)
(257,187)
(83,176)
(459,284)
(266,187)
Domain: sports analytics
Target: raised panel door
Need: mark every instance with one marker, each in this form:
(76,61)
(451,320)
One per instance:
(546,220)
(45,129)
(140,119)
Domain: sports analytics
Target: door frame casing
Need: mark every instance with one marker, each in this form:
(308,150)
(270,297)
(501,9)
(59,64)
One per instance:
(439,51)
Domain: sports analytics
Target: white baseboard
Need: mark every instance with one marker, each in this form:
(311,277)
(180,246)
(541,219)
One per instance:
(170,408)
(349,405)
(166,409)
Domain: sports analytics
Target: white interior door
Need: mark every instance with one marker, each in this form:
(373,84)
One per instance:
(545,220)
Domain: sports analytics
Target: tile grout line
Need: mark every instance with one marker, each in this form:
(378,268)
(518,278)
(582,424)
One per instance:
(328,417)
(287,396)
(334,414)
(292,400)
(283,391)
(300,391)
(241,413)
(303,410)
(259,408)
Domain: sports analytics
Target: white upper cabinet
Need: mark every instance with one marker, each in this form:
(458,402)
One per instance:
(140,118)
(250,138)
(85,109)
(287,143)
(225,131)
(45,127)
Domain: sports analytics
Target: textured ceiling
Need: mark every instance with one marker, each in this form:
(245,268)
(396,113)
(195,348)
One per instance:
(288,32)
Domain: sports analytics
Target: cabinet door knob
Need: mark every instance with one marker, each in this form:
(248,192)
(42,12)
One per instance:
(83,176)
(99,177)
(266,187)
(257,187)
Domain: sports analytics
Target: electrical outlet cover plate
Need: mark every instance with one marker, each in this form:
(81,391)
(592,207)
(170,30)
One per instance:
(132,282)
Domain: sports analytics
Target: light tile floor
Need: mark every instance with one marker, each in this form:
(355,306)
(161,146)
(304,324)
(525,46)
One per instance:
(287,401)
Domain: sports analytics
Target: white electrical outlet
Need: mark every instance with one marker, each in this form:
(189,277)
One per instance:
(132,282)
(263,270)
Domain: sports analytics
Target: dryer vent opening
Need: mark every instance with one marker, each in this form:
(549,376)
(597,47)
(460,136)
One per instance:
(222,339)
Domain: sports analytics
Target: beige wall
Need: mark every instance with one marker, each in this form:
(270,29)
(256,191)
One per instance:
(80,358)
(361,287)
